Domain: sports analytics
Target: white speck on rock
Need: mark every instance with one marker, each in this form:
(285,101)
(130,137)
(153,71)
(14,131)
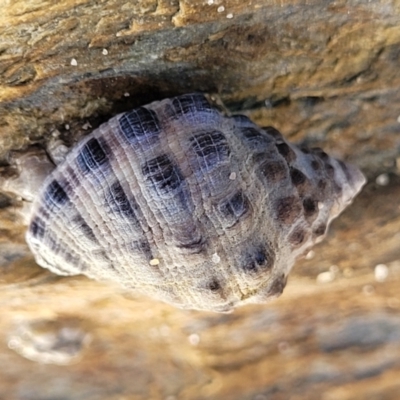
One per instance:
(268,103)
(57,150)
(229,16)
(126,94)
(381,272)
(382,180)
(368,290)
(154,261)
(310,255)
(232,176)
(194,339)
(326,277)
(221,9)
(86,126)
(215,258)
(164,330)
(74,62)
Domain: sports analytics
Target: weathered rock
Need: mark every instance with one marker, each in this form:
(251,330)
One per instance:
(327,76)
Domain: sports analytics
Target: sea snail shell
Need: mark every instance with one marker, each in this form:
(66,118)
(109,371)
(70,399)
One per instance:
(187,205)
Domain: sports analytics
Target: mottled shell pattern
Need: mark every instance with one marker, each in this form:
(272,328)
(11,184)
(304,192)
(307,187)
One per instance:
(189,206)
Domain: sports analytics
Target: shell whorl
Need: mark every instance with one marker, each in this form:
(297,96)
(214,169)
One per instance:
(187,205)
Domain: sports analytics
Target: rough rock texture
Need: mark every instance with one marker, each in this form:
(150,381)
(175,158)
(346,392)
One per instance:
(325,73)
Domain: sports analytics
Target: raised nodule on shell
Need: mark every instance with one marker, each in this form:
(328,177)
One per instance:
(187,205)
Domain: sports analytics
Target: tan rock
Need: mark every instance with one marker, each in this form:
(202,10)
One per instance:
(324,74)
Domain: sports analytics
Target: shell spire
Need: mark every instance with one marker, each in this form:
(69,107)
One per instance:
(184,204)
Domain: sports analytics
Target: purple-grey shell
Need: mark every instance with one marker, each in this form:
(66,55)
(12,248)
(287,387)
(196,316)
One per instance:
(184,204)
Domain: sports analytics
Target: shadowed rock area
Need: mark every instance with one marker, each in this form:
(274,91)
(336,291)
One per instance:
(323,73)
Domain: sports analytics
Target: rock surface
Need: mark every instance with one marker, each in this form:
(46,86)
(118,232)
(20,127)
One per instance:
(324,74)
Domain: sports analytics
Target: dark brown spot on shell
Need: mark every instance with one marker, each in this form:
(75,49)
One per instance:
(194,246)
(260,260)
(286,152)
(337,188)
(288,209)
(297,237)
(310,207)
(82,226)
(277,287)
(37,228)
(211,148)
(255,139)
(142,247)
(298,178)
(93,155)
(251,134)
(330,170)
(55,196)
(319,152)
(214,285)
(346,171)
(162,174)
(270,130)
(74,179)
(315,165)
(320,230)
(191,104)
(321,184)
(235,207)
(242,120)
(118,203)
(274,171)
(140,126)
